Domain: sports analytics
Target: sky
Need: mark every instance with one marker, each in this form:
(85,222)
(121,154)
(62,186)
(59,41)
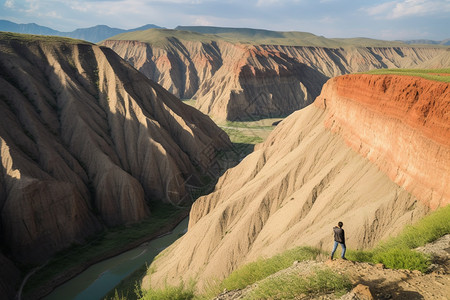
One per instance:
(380,19)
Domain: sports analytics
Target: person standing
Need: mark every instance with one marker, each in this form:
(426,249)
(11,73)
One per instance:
(339,238)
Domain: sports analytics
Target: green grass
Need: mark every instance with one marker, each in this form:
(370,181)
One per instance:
(100,245)
(430,74)
(190,102)
(397,253)
(262,268)
(258,270)
(239,137)
(265,124)
(292,285)
(27,38)
(180,292)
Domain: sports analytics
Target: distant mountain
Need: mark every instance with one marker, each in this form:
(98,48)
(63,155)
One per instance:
(286,38)
(31,28)
(92,34)
(445,42)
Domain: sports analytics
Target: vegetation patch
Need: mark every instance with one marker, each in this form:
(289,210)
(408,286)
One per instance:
(239,137)
(262,268)
(27,38)
(258,270)
(190,102)
(397,253)
(290,286)
(180,292)
(442,75)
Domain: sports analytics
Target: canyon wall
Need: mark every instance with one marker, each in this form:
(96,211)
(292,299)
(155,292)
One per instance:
(86,142)
(372,151)
(413,115)
(229,81)
(237,81)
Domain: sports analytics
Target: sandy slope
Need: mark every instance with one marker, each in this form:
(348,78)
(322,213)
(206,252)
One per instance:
(308,175)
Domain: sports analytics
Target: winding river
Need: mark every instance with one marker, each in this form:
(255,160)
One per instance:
(100,278)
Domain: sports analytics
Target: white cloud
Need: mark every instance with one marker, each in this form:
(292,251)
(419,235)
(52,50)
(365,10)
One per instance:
(9,3)
(329,20)
(405,34)
(408,8)
(202,21)
(278,2)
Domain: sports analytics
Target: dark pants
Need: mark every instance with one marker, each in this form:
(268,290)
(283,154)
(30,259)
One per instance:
(343,249)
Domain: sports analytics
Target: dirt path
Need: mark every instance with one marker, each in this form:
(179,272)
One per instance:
(394,284)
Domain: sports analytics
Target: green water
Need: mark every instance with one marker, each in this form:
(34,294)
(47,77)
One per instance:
(100,278)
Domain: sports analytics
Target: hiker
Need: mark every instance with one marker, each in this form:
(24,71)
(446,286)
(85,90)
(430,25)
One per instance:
(339,238)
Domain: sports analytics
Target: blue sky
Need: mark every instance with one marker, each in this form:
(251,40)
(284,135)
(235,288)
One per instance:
(389,20)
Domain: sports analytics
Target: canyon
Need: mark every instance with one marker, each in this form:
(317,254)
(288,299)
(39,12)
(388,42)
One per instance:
(245,74)
(87,142)
(372,151)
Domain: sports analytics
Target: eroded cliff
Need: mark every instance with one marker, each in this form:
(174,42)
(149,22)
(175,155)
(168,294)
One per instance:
(356,155)
(238,81)
(229,81)
(87,141)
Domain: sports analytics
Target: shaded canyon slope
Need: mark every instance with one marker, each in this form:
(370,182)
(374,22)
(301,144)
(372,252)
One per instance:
(372,151)
(239,79)
(86,142)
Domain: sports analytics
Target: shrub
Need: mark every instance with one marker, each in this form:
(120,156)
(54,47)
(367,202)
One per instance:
(400,258)
(397,253)
(180,292)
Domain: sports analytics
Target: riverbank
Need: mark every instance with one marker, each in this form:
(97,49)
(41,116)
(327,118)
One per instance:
(39,289)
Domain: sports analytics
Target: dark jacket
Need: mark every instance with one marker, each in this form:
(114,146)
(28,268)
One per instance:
(339,235)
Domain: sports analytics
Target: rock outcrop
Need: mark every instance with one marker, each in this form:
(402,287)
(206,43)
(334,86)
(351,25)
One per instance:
(238,81)
(372,151)
(87,141)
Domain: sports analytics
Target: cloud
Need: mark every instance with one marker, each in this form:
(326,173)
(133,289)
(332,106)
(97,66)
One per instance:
(329,20)
(276,2)
(202,21)
(408,8)
(9,3)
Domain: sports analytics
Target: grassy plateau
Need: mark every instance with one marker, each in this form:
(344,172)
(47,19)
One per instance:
(442,75)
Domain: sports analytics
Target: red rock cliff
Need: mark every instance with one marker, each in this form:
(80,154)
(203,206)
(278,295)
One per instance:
(400,123)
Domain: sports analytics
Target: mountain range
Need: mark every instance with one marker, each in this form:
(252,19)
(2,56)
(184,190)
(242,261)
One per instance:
(93,34)
(99,33)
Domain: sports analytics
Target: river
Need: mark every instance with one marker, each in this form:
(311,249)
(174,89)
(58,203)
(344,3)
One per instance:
(99,279)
